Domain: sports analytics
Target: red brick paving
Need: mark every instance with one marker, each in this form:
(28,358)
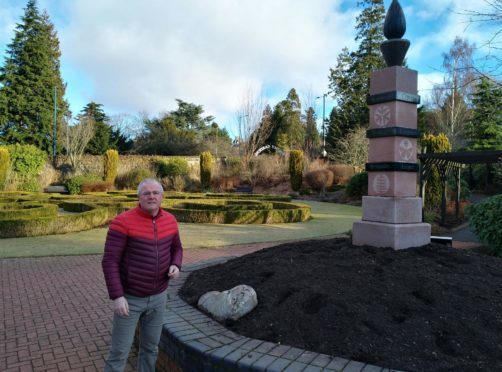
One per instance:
(55,314)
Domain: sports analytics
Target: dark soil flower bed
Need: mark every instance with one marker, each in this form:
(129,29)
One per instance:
(431,308)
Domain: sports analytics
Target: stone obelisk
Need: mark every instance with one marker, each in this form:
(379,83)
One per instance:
(392,214)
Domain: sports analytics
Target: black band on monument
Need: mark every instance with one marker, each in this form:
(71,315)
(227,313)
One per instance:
(394,95)
(391,166)
(392,132)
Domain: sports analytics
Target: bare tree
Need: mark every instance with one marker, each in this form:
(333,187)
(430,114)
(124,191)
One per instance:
(76,137)
(352,149)
(130,125)
(451,99)
(255,124)
(492,16)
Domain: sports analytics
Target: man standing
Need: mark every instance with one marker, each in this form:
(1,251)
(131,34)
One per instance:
(142,252)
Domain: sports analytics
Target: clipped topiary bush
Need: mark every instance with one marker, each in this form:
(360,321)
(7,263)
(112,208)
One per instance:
(110,166)
(484,219)
(296,169)
(358,185)
(4,166)
(206,169)
(130,180)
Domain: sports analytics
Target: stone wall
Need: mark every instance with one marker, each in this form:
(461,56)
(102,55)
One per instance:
(94,163)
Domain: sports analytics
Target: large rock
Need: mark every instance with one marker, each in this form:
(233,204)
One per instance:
(232,304)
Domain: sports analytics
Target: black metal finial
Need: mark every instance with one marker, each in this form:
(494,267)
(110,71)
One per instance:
(394,50)
(395,23)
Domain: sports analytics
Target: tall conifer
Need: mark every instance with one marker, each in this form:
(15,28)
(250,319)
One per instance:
(349,80)
(28,80)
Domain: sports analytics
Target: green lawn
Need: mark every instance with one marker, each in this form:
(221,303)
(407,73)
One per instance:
(328,219)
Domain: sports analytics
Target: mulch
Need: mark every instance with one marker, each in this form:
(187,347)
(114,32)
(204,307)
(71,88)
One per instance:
(431,308)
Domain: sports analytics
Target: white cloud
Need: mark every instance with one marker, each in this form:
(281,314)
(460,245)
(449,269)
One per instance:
(143,55)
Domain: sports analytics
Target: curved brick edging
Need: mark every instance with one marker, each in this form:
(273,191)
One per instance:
(191,341)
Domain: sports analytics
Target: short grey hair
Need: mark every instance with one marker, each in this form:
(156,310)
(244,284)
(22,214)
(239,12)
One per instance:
(149,181)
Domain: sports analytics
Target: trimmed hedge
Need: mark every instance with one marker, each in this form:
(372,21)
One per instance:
(95,216)
(27,210)
(273,212)
(33,214)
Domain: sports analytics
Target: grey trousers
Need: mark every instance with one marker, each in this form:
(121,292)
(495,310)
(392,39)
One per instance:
(149,311)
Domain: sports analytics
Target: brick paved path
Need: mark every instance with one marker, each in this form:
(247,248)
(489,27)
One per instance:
(55,314)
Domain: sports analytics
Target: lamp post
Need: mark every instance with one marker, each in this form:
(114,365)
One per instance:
(323,153)
(240,131)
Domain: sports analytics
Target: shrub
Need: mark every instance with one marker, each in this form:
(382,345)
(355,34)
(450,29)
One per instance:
(320,179)
(172,168)
(435,144)
(296,169)
(110,166)
(74,184)
(231,166)
(96,186)
(225,183)
(28,184)
(130,180)
(358,185)
(4,166)
(26,160)
(484,219)
(268,170)
(206,168)
(341,173)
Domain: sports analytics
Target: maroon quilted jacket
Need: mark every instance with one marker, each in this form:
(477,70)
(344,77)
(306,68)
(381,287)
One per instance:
(139,249)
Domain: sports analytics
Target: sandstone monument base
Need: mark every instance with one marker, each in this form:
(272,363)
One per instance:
(396,236)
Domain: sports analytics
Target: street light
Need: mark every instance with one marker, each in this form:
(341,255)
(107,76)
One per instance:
(240,131)
(324,153)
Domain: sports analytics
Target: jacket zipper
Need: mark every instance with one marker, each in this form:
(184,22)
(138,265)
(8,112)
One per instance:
(157,253)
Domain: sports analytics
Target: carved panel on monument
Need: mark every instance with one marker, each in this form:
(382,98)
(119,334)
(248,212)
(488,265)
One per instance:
(393,114)
(385,149)
(398,184)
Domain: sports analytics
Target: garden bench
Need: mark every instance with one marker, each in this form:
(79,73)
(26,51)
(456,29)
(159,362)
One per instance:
(244,189)
(445,240)
(60,189)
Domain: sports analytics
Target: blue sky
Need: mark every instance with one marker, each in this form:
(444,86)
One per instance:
(137,56)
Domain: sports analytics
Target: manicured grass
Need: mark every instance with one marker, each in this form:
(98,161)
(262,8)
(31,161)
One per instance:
(328,219)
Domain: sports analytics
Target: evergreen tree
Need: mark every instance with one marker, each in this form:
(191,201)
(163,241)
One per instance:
(349,80)
(189,116)
(485,128)
(288,132)
(102,138)
(312,140)
(29,79)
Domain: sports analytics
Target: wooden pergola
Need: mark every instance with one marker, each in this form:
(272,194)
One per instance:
(450,163)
